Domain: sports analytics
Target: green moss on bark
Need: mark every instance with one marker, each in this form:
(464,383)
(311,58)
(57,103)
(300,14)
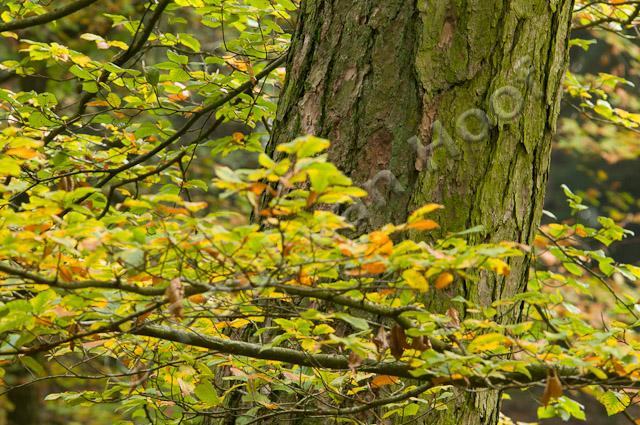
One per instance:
(369,75)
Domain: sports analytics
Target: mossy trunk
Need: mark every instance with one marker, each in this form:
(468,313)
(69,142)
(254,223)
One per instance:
(447,101)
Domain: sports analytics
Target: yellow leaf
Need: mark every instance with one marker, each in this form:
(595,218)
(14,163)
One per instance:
(488,342)
(119,44)
(415,280)
(423,225)
(499,266)
(239,323)
(195,206)
(424,210)
(23,153)
(443,280)
(81,60)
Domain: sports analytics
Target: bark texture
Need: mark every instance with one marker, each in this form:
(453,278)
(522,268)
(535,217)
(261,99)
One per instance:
(399,87)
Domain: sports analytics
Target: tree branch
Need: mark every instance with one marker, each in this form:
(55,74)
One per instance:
(345,411)
(258,351)
(46,17)
(299,291)
(183,130)
(610,19)
(109,327)
(536,373)
(104,284)
(134,47)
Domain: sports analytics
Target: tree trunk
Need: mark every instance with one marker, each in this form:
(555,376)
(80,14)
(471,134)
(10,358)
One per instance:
(447,101)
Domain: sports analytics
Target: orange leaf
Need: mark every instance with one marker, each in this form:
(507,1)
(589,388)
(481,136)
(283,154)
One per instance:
(98,103)
(173,210)
(375,268)
(65,273)
(198,299)
(383,380)
(379,244)
(346,251)
(257,188)
(237,62)
(238,137)
(179,97)
(423,225)
(443,280)
(304,278)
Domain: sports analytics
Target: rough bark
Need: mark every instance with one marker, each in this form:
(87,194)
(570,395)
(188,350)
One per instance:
(372,75)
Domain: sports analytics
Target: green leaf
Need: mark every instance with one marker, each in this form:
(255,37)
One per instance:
(134,258)
(356,322)
(189,41)
(179,75)
(81,73)
(174,57)
(152,76)
(573,268)
(206,392)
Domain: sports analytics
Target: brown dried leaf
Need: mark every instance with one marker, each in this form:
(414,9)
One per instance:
(175,295)
(73,330)
(186,388)
(455,317)
(553,389)
(381,340)
(140,319)
(421,343)
(398,342)
(354,361)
